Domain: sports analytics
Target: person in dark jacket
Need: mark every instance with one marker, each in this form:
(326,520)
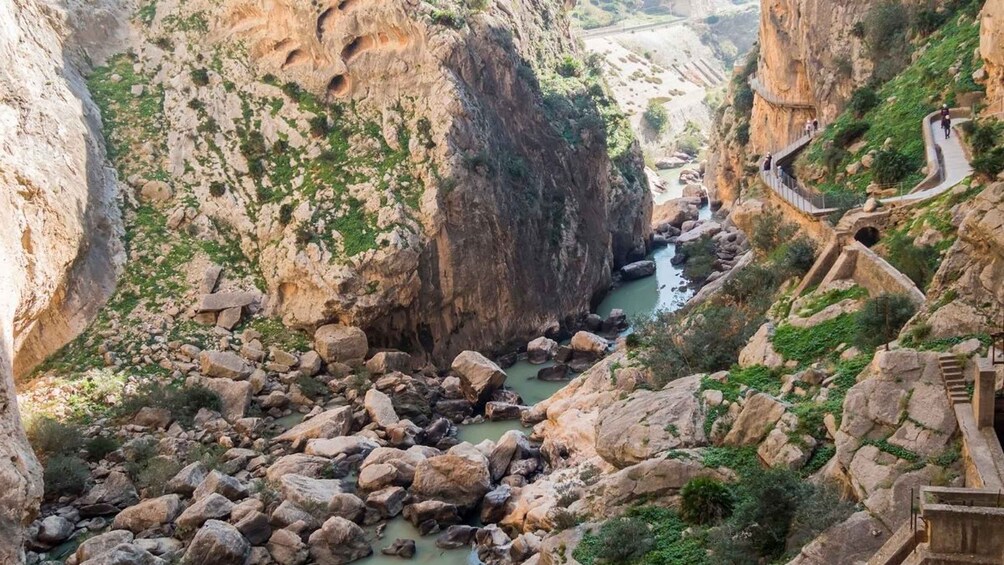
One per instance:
(946,124)
(768,163)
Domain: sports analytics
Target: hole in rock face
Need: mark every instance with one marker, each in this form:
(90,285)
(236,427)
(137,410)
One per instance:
(325,21)
(357,47)
(295,57)
(339,86)
(347,4)
(868,236)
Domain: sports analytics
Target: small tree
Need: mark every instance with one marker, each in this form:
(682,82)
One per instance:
(705,500)
(882,318)
(656,116)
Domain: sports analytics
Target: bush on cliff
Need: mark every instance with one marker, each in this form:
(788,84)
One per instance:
(705,500)
(882,318)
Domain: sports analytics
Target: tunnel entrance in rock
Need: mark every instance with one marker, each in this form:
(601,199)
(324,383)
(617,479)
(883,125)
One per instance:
(868,236)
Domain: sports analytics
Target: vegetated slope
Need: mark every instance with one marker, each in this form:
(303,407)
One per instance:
(885,119)
(472,196)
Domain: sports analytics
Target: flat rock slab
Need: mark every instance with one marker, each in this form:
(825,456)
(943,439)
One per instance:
(225,300)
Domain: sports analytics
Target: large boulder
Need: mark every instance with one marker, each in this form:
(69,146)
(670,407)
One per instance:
(299,464)
(333,423)
(758,417)
(385,362)
(340,344)
(101,544)
(637,270)
(223,365)
(286,548)
(149,514)
(126,554)
(541,350)
(235,396)
(309,493)
(647,424)
(479,376)
(759,350)
(380,408)
(54,530)
(589,344)
(339,541)
(116,490)
(459,479)
(217,543)
(342,445)
(212,507)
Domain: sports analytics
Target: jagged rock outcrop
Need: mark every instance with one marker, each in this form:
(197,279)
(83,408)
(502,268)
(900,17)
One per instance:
(972,270)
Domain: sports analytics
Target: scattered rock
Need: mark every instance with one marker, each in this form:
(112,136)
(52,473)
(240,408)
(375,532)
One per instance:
(339,344)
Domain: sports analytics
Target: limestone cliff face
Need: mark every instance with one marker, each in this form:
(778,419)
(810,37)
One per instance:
(420,171)
(808,65)
(992,50)
(804,44)
(59,228)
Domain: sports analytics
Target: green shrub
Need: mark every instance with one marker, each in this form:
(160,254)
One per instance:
(183,402)
(984,135)
(200,77)
(743,133)
(64,475)
(750,285)
(863,100)
(927,21)
(656,116)
(886,27)
(285,214)
(850,133)
(918,262)
(319,126)
(776,512)
(217,189)
(882,318)
(614,535)
(833,157)
(705,500)
(770,232)
(799,255)
(891,166)
(990,164)
(447,18)
(808,345)
(742,100)
(570,67)
(99,447)
(152,475)
(292,90)
(51,438)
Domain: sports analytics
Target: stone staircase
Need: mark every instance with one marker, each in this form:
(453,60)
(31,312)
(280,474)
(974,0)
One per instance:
(955,381)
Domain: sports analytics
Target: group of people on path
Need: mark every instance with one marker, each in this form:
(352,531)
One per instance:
(811,127)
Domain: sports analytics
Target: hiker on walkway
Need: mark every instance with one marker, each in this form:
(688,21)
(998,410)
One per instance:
(946,124)
(815,125)
(808,127)
(768,163)
(945,112)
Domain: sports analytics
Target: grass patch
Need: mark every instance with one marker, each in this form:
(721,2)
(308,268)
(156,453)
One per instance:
(808,345)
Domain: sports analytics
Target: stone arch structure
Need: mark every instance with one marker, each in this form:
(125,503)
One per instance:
(868,235)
